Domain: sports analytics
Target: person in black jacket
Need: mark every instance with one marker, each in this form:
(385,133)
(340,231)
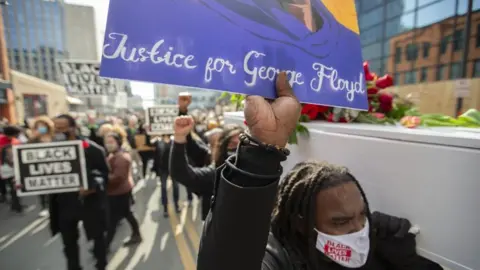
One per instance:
(199,180)
(320,220)
(160,165)
(90,206)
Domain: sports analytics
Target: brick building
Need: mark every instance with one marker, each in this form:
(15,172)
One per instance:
(434,52)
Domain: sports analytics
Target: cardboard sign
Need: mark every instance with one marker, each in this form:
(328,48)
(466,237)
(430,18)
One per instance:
(160,119)
(83,79)
(45,168)
(240,46)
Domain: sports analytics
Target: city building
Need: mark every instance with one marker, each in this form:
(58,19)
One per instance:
(381,22)
(434,52)
(201,98)
(80,32)
(34,36)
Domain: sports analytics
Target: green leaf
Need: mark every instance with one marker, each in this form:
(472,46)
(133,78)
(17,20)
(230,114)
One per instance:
(292,139)
(302,130)
(304,118)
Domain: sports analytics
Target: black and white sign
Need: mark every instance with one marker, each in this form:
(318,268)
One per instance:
(82,79)
(160,119)
(46,168)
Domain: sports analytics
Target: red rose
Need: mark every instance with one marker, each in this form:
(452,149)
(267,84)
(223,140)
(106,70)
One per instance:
(313,110)
(386,102)
(341,120)
(384,81)
(372,91)
(379,115)
(368,75)
(85,144)
(245,122)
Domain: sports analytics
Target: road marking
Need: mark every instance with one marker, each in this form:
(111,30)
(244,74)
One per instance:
(192,231)
(182,246)
(144,249)
(23,232)
(5,237)
(164,241)
(40,227)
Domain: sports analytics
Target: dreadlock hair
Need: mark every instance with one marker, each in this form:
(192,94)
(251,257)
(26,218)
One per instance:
(293,219)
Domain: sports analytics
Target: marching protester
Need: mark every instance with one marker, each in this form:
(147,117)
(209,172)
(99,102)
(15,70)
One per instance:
(120,185)
(7,140)
(318,219)
(43,132)
(200,180)
(89,206)
(160,165)
(146,153)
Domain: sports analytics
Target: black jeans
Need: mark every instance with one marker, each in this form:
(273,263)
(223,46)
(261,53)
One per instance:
(146,156)
(43,201)
(70,235)
(15,203)
(119,206)
(163,180)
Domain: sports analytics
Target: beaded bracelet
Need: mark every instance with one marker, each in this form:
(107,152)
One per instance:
(247,139)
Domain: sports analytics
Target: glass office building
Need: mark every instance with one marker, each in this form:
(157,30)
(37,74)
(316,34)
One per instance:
(34,36)
(419,40)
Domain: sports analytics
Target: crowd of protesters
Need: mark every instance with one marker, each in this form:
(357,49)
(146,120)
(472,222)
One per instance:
(316,218)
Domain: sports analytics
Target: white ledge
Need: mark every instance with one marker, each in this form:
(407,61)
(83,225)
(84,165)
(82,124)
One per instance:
(429,176)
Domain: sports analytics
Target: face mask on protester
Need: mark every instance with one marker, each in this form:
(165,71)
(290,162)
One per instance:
(111,147)
(348,250)
(42,130)
(62,136)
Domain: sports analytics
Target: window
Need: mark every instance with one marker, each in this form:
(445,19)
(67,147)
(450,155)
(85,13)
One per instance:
(426,49)
(440,71)
(457,40)
(455,71)
(476,69)
(423,74)
(34,105)
(412,52)
(398,55)
(410,77)
(396,78)
(444,44)
(478,35)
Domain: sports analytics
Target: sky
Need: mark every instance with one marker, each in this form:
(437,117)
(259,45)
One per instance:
(145,90)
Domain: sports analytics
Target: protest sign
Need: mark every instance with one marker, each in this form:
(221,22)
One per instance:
(46,168)
(81,78)
(239,46)
(160,119)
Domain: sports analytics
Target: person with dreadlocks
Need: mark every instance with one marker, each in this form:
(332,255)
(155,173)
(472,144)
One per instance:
(318,220)
(200,180)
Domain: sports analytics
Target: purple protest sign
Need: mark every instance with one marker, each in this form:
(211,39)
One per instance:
(239,46)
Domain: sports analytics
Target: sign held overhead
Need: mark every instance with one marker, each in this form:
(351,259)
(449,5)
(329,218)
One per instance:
(81,78)
(160,119)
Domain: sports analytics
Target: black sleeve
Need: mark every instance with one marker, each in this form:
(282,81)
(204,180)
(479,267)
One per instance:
(236,230)
(131,139)
(198,180)
(99,167)
(197,151)
(93,136)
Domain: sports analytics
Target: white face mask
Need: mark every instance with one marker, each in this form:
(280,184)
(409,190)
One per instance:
(348,250)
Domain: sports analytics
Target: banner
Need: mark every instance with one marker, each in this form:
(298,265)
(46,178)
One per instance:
(45,168)
(240,46)
(160,119)
(82,78)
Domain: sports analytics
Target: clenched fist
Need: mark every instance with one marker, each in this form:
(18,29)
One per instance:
(272,123)
(182,127)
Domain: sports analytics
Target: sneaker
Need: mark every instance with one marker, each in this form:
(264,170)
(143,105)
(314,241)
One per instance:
(43,213)
(165,214)
(134,240)
(177,209)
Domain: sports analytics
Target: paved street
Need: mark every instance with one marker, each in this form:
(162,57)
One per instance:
(170,244)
